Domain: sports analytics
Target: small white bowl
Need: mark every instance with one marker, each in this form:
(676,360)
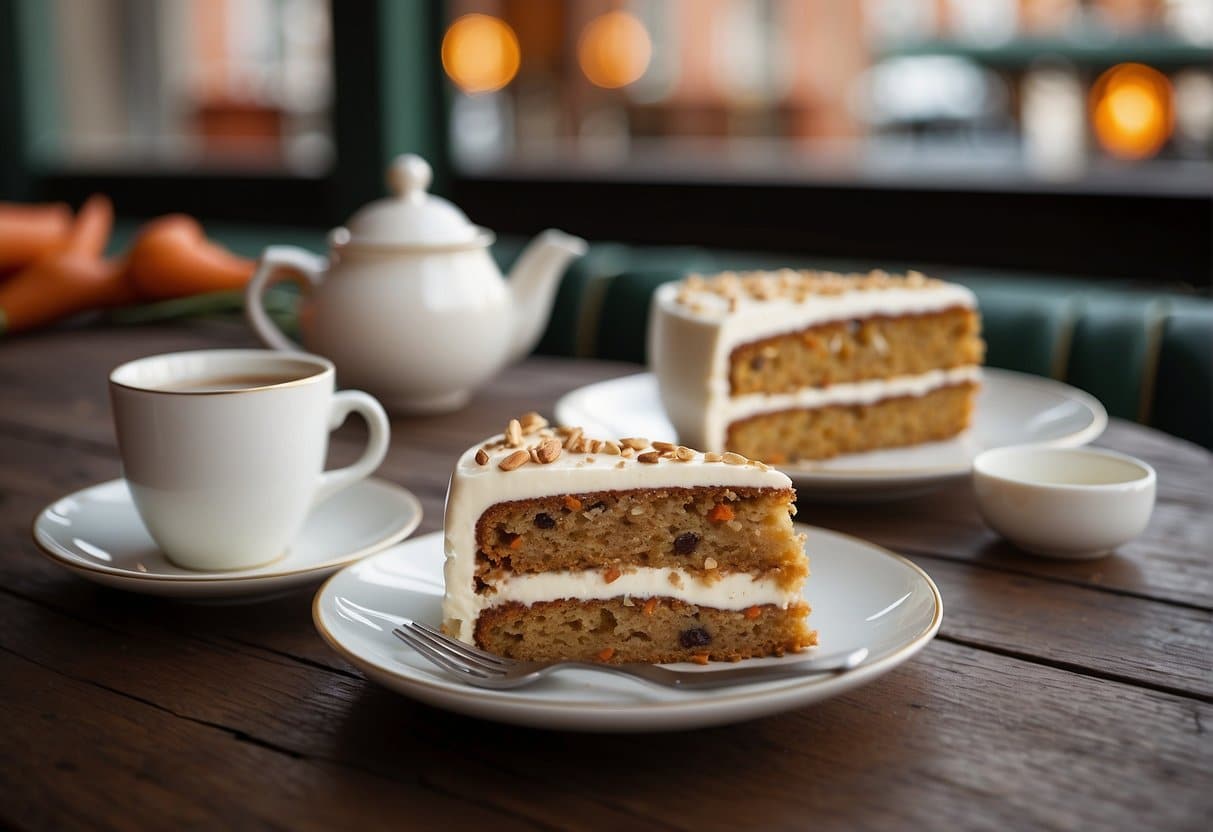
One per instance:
(1072,503)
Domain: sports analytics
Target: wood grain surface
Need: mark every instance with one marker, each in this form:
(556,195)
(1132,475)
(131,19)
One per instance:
(1057,695)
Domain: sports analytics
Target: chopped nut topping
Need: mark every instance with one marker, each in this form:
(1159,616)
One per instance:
(514,460)
(513,434)
(709,563)
(731,458)
(635,443)
(683,453)
(628,602)
(711,456)
(621,464)
(664,446)
(481,457)
(787,284)
(610,448)
(549,451)
(651,457)
(532,422)
(534,452)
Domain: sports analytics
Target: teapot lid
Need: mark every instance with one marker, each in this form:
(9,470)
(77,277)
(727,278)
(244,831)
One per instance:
(412,216)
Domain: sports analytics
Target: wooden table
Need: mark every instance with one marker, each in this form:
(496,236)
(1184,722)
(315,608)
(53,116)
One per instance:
(1057,695)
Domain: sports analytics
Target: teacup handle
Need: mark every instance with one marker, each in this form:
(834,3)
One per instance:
(280,263)
(344,403)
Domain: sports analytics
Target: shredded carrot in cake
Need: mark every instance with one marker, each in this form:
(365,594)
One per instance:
(722,513)
(753,612)
(604,655)
(650,606)
(516,542)
(700,658)
(572,504)
(611,574)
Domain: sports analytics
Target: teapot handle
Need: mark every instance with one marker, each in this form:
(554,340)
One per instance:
(280,263)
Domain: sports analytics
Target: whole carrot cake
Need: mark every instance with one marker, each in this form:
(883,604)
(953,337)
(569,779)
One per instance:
(797,365)
(562,546)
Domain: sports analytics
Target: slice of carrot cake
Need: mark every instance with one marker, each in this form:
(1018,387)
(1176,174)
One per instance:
(560,546)
(786,366)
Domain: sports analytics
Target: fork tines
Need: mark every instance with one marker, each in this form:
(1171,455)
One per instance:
(450,654)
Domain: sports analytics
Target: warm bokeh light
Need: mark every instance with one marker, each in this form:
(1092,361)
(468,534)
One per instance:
(614,50)
(480,53)
(1131,111)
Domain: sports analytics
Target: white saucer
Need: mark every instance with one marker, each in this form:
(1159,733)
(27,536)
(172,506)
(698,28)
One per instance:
(1012,409)
(861,595)
(97,534)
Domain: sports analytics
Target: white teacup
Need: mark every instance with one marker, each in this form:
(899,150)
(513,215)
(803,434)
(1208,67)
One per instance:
(224,450)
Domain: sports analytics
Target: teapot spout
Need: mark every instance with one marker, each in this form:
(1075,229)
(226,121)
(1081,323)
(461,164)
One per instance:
(533,283)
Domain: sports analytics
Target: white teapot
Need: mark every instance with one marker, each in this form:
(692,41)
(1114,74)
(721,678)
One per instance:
(409,304)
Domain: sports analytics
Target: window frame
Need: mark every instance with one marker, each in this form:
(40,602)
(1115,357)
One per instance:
(377,93)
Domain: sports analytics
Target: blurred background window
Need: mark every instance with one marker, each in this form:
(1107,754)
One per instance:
(181,85)
(1100,95)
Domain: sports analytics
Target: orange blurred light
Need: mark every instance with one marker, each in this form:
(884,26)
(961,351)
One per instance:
(614,50)
(480,53)
(1131,111)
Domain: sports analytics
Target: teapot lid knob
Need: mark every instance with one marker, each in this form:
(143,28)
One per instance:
(409,176)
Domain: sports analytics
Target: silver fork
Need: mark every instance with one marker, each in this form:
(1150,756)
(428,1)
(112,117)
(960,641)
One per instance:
(486,670)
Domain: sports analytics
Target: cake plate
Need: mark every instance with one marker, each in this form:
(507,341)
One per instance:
(1012,409)
(861,595)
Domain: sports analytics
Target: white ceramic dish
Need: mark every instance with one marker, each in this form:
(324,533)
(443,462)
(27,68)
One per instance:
(1012,409)
(861,595)
(97,534)
(1073,503)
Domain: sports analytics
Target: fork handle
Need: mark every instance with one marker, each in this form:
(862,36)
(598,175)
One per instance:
(706,679)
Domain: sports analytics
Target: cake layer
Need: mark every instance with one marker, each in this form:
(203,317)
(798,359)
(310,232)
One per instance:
(821,432)
(657,629)
(729,529)
(857,350)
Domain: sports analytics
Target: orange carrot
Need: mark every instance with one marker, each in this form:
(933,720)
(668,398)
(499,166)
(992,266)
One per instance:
(69,280)
(29,231)
(172,258)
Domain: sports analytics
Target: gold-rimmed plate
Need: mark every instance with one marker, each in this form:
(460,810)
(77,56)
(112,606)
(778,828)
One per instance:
(862,596)
(97,534)
(1012,409)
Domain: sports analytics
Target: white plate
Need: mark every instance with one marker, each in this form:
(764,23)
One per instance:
(1012,409)
(97,534)
(861,595)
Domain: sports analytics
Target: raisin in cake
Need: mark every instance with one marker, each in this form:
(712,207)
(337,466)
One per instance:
(785,366)
(559,546)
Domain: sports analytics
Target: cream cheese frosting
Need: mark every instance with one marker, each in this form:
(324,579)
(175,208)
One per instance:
(698,323)
(480,482)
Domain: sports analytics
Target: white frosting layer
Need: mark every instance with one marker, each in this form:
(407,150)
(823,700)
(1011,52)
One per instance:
(735,591)
(689,349)
(474,488)
(860,392)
